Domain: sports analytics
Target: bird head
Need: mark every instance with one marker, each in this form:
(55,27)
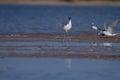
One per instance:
(69,18)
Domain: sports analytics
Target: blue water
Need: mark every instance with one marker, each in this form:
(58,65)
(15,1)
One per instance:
(49,20)
(42,19)
(58,69)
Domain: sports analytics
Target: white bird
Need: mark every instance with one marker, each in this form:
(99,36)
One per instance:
(108,31)
(68,26)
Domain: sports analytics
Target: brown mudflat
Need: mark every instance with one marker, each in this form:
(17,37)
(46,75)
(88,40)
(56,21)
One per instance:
(57,46)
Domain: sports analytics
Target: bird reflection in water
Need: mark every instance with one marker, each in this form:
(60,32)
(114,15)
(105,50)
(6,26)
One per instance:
(96,45)
(68,63)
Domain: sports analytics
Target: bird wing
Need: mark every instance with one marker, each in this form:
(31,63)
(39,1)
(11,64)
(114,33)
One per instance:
(94,26)
(105,26)
(112,26)
(66,27)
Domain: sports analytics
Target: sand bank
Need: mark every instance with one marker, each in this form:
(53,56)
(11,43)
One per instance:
(48,37)
(53,46)
(96,56)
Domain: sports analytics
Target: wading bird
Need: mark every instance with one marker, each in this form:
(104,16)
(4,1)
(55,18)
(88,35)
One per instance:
(107,31)
(68,26)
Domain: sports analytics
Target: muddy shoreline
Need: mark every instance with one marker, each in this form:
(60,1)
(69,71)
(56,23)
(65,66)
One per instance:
(36,55)
(53,46)
(4,38)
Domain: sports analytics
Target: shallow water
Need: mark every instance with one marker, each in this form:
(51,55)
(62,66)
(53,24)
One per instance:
(58,69)
(23,19)
(33,45)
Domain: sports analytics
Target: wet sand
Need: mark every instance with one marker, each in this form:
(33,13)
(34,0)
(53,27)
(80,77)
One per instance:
(34,55)
(27,38)
(57,46)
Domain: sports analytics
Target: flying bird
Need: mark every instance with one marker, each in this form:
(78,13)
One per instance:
(108,30)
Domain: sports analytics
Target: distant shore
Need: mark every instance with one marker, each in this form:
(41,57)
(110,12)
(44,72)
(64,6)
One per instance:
(87,3)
